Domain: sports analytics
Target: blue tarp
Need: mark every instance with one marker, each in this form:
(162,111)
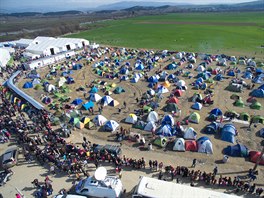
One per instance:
(238,150)
(88,105)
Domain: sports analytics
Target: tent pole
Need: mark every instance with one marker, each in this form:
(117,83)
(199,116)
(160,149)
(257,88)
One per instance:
(259,159)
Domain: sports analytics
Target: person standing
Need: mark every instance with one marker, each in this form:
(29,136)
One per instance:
(215,171)
(194,163)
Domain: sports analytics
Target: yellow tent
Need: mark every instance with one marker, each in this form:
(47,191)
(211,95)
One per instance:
(166,84)
(85,120)
(79,125)
(113,85)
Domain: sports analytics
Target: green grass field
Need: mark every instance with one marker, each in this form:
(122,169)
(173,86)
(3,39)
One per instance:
(238,33)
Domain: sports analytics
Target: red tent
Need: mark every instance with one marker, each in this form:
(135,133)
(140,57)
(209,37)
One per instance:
(178,92)
(254,155)
(173,100)
(190,145)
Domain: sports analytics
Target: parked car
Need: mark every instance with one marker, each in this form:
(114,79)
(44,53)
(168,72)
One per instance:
(9,158)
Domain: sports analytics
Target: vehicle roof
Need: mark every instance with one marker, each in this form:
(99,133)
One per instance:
(151,187)
(69,196)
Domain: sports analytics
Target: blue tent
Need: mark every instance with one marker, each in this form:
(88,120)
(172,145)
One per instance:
(164,130)
(140,67)
(64,74)
(124,78)
(77,67)
(228,133)
(77,101)
(197,106)
(258,80)
(211,128)
(93,90)
(219,77)
(28,85)
(168,120)
(216,112)
(258,93)
(88,105)
(111,125)
(171,66)
(124,70)
(151,85)
(153,79)
(171,76)
(259,71)
(127,63)
(238,150)
(70,80)
(247,75)
(231,73)
(261,86)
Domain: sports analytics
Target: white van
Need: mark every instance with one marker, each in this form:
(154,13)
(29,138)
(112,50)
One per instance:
(110,187)
(69,196)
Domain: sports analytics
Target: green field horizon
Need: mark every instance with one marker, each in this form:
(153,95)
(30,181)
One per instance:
(235,33)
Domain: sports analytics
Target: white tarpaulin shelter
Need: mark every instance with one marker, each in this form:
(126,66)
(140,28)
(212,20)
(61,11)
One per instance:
(4,57)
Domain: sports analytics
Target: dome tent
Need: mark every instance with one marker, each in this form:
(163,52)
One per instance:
(239,103)
(254,156)
(167,119)
(171,107)
(204,145)
(132,119)
(191,145)
(179,144)
(153,117)
(160,141)
(197,106)
(244,116)
(28,85)
(150,126)
(77,101)
(211,128)
(256,105)
(99,120)
(238,150)
(164,130)
(228,133)
(111,125)
(106,100)
(173,100)
(194,117)
(190,134)
(95,97)
(216,112)
(258,93)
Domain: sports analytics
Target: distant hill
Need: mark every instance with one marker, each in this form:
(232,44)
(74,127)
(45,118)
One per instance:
(128,4)
(31,14)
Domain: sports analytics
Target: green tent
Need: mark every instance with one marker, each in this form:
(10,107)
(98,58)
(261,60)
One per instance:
(160,141)
(147,109)
(171,107)
(256,105)
(90,125)
(244,116)
(239,103)
(258,119)
(209,80)
(235,97)
(194,117)
(58,95)
(119,90)
(37,87)
(55,121)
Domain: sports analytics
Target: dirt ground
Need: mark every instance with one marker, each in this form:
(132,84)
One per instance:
(234,167)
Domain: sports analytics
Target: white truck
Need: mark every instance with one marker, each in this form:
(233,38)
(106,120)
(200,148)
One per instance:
(154,188)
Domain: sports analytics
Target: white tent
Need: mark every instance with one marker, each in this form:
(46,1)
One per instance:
(179,55)
(61,81)
(153,117)
(190,134)
(111,125)
(95,97)
(4,57)
(99,120)
(50,88)
(200,68)
(204,145)
(163,90)
(132,119)
(106,100)
(35,81)
(151,126)
(179,145)
(181,83)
